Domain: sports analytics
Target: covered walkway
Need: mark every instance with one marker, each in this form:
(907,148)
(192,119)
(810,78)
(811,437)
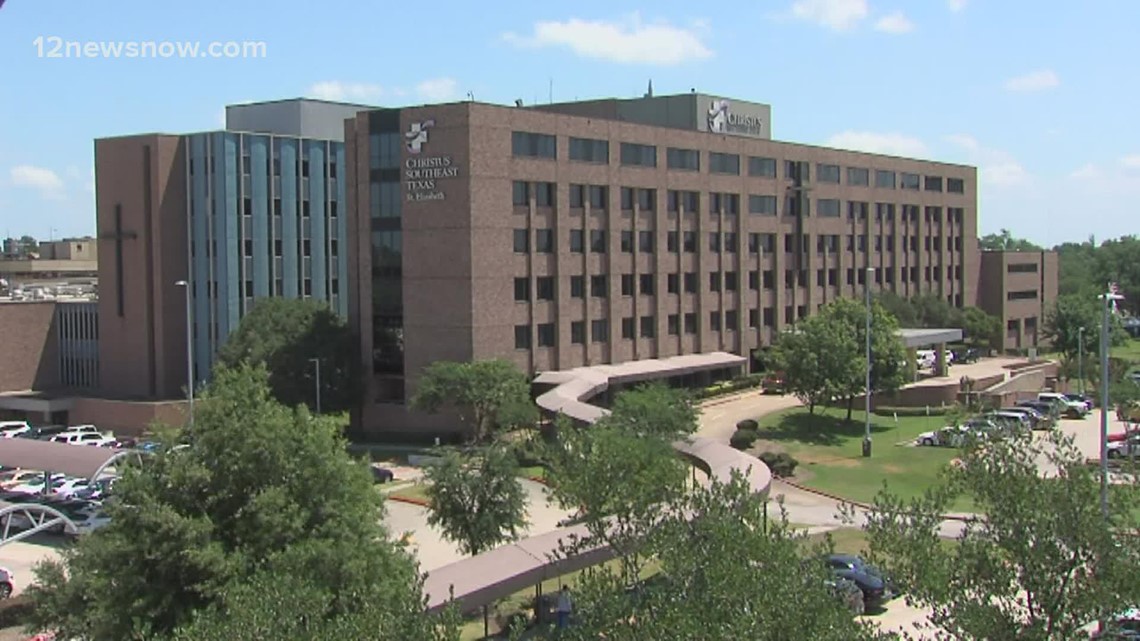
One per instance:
(83,461)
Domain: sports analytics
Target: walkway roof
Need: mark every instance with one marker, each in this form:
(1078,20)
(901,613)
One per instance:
(83,461)
(913,338)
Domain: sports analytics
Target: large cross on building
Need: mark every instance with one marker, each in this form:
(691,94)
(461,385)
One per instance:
(118,235)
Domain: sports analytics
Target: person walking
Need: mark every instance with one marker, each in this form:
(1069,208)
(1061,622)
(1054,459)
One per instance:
(564,607)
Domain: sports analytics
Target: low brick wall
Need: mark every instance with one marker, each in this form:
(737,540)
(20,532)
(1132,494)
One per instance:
(1024,384)
(126,418)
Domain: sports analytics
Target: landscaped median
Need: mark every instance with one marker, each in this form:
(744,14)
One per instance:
(829,452)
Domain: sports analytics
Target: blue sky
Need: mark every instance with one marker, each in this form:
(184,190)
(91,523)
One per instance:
(1041,96)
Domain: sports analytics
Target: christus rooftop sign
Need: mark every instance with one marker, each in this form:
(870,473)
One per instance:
(724,118)
(422,174)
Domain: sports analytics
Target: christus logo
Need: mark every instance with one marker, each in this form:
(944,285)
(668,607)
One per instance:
(417,135)
(718,116)
(722,120)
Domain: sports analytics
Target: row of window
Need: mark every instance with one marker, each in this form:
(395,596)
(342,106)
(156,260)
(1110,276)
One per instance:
(537,145)
(728,242)
(544,195)
(1025,294)
(544,287)
(1021,268)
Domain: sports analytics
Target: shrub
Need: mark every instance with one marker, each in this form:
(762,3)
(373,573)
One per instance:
(935,410)
(16,611)
(782,464)
(748,424)
(743,439)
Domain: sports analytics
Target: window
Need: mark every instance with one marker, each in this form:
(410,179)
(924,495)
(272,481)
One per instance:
(764,167)
(646,285)
(909,181)
(533,145)
(731,282)
(599,286)
(578,332)
(577,287)
(714,281)
(858,176)
(689,201)
(522,241)
(577,196)
(723,203)
(589,150)
(827,173)
(1025,294)
(687,159)
(753,318)
(827,208)
(672,242)
(673,324)
(857,211)
(691,323)
(599,197)
(731,320)
(522,290)
(627,284)
(762,205)
(626,241)
(627,327)
(634,155)
(545,334)
(714,320)
(577,241)
(884,179)
(689,242)
(647,199)
(932,183)
(714,241)
(645,242)
(544,287)
(1021,268)
(794,204)
(955,185)
(794,169)
(690,282)
(521,193)
(648,327)
(599,330)
(544,194)
(522,336)
(724,163)
(544,241)
(730,244)
(673,283)
(761,242)
(598,241)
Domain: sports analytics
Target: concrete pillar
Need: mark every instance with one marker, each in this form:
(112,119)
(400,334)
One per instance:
(912,363)
(940,367)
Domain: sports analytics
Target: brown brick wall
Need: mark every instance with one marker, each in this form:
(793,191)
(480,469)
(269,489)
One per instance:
(126,418)
(1006,274)
(29,349)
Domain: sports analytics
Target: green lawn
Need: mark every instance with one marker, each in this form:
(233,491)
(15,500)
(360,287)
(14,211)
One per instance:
(414,492)
(1129,351)
(830,452)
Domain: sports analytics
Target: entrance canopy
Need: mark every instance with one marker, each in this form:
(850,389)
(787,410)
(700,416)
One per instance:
(915,338)
(84,461)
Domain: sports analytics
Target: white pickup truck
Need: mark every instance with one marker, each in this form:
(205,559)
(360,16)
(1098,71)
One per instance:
(1069,407)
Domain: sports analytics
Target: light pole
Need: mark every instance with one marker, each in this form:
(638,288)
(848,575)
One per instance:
(189,349)
(867,389)
(1081,358)
(1109,297)
(317,363)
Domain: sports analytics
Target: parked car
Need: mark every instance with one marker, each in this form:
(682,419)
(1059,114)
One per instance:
(1017,422)
(965,355)
(87,522)
(846,592)
(10,480)
(7,583)
(957,436)
(876,588)
(1068,408)
(12,429)
(1124,448)
(1087,399)
(83,438)
(36,485)
(70,486)
(773,383)
(382,475)
(1033,416)
(1047,410)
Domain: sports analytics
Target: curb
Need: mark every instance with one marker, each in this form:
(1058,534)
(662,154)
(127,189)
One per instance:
(409,501)
(861,505)
(538,479)
(731,396)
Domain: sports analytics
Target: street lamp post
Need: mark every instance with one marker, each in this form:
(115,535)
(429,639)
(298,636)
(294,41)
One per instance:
(1081,358)
(317,363)
(867,388)
(1109,297)
(189,349)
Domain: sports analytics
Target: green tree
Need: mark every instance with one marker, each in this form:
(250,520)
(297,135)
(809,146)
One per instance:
(727,572)
(888,354)
(1004,241)
(476,499)
(1072,312)
(902,309)
(819,359)
(262,490)
(980,329)
(1118,261)
(285,335)
(489,395)
(653,409)
(933,311)
(1038,564)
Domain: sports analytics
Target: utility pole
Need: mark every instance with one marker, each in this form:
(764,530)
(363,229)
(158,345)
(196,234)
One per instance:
(1110,297)
(317,363)
(1081,358)
(189,349)
(867,388)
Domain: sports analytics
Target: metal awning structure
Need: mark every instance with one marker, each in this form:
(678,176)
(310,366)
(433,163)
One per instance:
(39,518)
(83,461)
(574,387)
(915,338)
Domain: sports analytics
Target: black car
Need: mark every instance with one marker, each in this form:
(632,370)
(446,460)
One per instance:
(876,588)
(1046,410)
(382,475)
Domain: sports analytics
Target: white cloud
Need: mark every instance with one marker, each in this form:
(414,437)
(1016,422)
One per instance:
(995,166)
(956,5)
(896,23)
(628,41)
(1039,80)
(45,181)
(1131,161)
(837,15)
(1086,172)
(879,143)
(437,89)
(341,91)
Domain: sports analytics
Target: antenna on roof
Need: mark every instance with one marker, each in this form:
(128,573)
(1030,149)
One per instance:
(649,93)
(518,102)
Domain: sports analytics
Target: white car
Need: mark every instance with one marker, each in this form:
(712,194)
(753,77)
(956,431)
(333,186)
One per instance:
(70,486)
(12,429)
(36,485)
(88,521)
(81,429)
(1126,448)
(83,438)
(7,583)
